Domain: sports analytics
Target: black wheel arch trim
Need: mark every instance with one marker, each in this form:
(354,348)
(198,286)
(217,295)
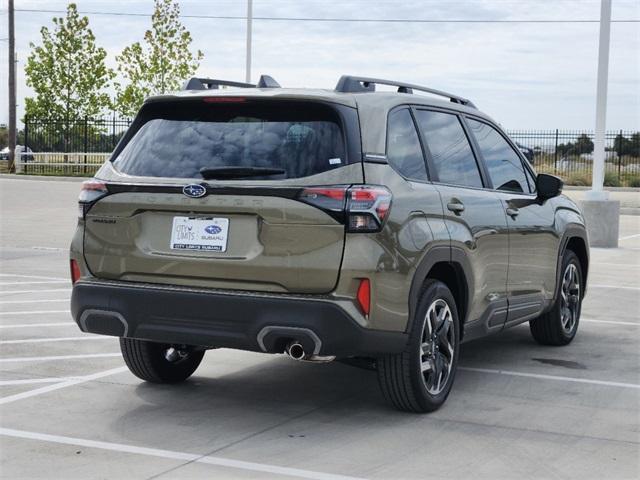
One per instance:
(441,254)
(571,232)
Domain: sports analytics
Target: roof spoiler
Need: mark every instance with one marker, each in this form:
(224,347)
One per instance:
(195,83)
(353,84)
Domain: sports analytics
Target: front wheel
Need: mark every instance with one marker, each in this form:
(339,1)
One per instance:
(560,324)
(160,362)
(420,378)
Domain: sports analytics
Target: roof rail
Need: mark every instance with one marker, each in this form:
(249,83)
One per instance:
(195,83)
(352,84)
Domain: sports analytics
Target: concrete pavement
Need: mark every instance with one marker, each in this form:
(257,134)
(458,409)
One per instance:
(517,410)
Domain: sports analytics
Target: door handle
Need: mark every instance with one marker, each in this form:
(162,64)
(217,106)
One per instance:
(455,207)
(513,212)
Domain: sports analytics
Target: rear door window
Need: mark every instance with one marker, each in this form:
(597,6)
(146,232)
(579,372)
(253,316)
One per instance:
(404,152)
(185,138)
(449,148)
(503,163)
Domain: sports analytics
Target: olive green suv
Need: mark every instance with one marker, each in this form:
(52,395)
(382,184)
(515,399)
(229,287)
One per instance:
(382,228)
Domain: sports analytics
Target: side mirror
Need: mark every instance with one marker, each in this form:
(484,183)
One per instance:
(548,186)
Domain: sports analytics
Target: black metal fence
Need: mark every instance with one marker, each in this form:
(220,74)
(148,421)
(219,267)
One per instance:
(569,154)
(74,136)
(566,153)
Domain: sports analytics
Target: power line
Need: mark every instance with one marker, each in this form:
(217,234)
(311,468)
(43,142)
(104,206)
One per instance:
(331,20)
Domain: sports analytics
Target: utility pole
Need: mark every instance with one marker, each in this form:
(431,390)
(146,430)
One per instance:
(247,77)
(12,90)
(602,215)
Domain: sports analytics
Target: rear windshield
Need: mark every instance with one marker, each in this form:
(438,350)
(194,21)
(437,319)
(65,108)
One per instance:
(181,139)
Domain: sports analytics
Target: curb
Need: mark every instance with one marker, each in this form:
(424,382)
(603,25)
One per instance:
(42,178)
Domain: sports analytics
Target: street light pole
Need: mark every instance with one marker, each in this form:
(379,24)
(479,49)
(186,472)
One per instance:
(597,181)
(12,89)
(602,216)
(249,27)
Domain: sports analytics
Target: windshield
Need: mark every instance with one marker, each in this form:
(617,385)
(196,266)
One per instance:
(186,139)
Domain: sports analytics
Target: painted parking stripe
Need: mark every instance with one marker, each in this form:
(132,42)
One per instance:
(34,312)
(57,357)
(610,322)
(30,381)
(55,339)
(551,377)
(60,385)
(39,325)
(3,302)
(629,236)
(618,287)
(48,290)
(173,455)
(36,282)
(32,276)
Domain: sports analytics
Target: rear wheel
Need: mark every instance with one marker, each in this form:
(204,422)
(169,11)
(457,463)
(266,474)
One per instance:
(420,378)
(560,324)
(160,362)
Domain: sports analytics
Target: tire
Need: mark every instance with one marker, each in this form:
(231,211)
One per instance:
(560,324)
(149,360)
(402,380)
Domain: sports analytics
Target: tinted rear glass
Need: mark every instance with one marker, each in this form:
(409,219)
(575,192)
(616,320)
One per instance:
(178,141)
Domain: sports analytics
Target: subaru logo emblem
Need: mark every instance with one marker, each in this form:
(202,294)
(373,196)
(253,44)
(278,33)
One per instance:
(194,191)
(212,229)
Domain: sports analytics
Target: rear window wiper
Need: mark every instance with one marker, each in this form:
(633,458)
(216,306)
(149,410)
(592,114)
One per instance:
(238,172)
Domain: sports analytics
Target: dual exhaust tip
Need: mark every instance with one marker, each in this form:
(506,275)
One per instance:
(296,351)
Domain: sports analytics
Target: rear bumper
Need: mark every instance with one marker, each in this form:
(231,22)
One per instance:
(262,323)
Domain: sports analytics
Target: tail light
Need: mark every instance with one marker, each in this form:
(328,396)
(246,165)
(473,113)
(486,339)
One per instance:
(364,296)
(367,208)
(363,208)
(75,271)
(91,191)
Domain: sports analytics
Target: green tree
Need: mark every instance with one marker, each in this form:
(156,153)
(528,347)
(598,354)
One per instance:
(634,145)
(583,144)
(67,72)
(4,136)
(160,64)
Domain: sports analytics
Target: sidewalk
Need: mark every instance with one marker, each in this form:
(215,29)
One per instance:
(629,198)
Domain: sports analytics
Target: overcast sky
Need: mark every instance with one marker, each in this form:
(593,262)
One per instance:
(525,75)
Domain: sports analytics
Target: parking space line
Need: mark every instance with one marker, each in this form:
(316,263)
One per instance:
(47,290)
(32,276)
(173,455)
(551,377)
(629,236)
(58,386)
(34,301)
(610,322)
(30,381)
(35,312)
(57,357)
(621,287)
(29,325)
(37,282)
(55,339)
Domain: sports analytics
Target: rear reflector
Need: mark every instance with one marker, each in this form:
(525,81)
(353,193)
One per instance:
(75,272)
(364,296)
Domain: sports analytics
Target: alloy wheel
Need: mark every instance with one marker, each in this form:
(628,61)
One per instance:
(437,347)
(570,303)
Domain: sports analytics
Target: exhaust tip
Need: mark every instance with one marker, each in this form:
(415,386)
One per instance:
(295,351)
